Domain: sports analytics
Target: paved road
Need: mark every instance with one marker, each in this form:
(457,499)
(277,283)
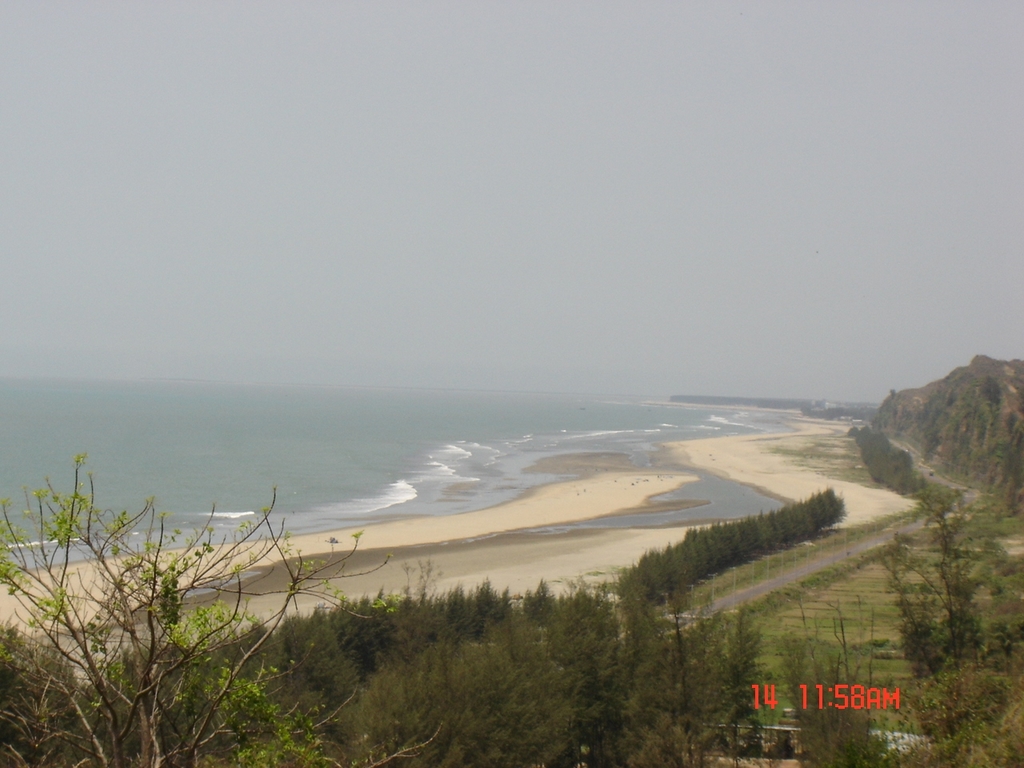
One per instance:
(795,574)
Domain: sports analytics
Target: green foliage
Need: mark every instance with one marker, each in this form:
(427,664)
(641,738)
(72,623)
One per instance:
(477,678)
(825,733)
(972,421)
(539,606)
(118,667)
(678,699)
(473,678)
(493,703)
(935,592)
(30,700)
(886,463)
(870,752)
(265,735)
(585,642)
(739,666)
(958,704)
(969,700)
(662,575)
(667,743)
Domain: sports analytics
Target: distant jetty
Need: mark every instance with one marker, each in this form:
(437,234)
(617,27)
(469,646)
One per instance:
(817,409)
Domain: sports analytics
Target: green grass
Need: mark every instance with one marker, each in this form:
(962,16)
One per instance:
(836,456)
(852,598)
(854,591)
(855,607)
(795,558)
(850,601)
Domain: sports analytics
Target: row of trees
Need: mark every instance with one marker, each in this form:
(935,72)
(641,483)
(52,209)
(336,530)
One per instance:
(969,695)
(887,464)
(663,575)
(480,679)
(840,412)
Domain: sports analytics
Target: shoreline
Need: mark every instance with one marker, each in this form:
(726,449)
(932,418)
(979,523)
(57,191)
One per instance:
(602,491)
(500,544)
(757,462)
(515,559)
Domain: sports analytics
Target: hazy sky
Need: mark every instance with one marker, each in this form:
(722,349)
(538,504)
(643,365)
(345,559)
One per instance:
(813,199)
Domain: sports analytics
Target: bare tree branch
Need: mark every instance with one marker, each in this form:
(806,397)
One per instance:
(142,636)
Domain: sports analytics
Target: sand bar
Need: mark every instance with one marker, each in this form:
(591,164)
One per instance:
(495,543)
(755,460)
(518,561)
(491,543)
(600,494)
(603,486)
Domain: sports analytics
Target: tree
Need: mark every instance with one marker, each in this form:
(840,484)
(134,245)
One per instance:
(137,642)
(739,668)
(677,700)
(491,703)
(935,594)
(584,641)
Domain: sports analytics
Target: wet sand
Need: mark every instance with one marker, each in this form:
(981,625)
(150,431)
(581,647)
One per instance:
(517,561)
(755,460)
(496,544)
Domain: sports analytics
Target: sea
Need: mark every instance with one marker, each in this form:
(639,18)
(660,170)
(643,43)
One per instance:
(335,457)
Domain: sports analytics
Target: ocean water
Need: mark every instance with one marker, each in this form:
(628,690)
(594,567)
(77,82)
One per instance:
(337,456)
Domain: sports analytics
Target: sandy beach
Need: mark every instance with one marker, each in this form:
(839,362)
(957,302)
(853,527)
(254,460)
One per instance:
(491,543)
(498,543)
(766,462)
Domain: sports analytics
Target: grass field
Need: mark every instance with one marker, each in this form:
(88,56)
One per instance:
(844,614)
(796,559)
(834,456)
(851,621)
(848,602)
(850,606)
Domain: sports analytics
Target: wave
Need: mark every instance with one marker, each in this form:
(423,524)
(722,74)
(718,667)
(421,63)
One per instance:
(723,420)
(34,544)
(601,433)
(455,451)
(233,515)
(439,471)
(444,462)
(476,449)
(396,493)
(442,469)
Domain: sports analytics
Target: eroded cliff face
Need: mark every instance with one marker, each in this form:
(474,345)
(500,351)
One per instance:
(971,423)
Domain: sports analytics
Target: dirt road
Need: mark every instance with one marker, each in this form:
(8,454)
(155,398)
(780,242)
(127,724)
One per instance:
(733,599)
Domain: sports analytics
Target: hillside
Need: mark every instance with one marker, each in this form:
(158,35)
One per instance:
(971,423)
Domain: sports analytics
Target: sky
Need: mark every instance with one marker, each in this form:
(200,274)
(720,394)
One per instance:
(783,199)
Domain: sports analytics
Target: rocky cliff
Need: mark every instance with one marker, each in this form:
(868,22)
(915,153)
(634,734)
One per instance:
(971,423)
